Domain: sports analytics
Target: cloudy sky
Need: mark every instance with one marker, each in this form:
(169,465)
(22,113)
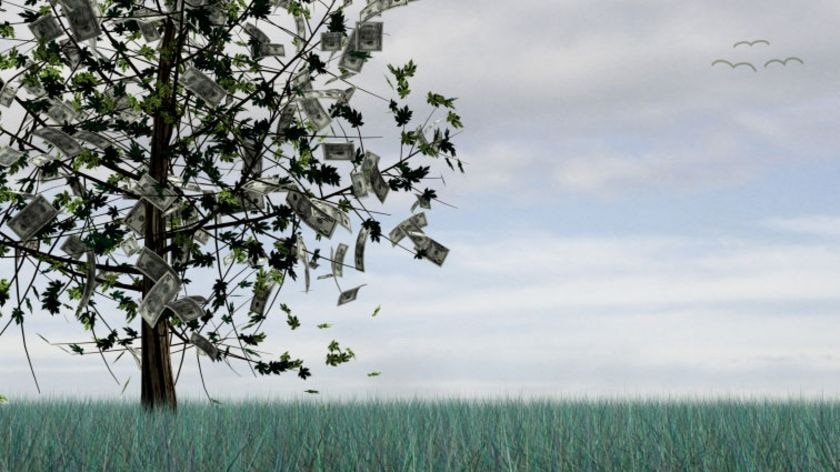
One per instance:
(633,220)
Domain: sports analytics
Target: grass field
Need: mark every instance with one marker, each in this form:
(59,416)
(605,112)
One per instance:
(415,435)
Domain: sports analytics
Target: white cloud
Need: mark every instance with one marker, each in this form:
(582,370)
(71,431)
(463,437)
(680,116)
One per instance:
(819,225)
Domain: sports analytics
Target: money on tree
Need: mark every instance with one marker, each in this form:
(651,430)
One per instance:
(173,159)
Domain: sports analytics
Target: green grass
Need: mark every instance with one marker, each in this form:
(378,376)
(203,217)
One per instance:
(414,435)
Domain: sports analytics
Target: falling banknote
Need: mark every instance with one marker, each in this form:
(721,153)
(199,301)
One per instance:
(349,295)
(32,218)
(163,292)
(198,83)
(151,264)
(205,346)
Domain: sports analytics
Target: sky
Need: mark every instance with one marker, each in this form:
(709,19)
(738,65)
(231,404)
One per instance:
(633,220)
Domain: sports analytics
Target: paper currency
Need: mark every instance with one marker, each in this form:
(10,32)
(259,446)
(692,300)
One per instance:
(372,9)
(315,112)
(314,217)
(359,255)
(71,52)
(413,223)
(46,28)
(421,202)
(300,27)
(205,347)
(149,30)
(335,213)
(272,50)
(252,161)
(370,166)
(61,112)
(266,185)
(349,295)
(285,120)
(303,256)
(136,219)
(151,264)
(7,96)
(93,138)
(361,185)
(260,300)
(251,201)
(350,60)
(90,283)
(434,251)
(332,42)
(136,357)
(60,140)
(256,33)
(82,17)
(32,218)
(187,309)
(301,82)
(74,247)
(161,293)
(338,260)
(369,37)
(9,156)
(158,195)
(129,246)
(200,84)
(339,151)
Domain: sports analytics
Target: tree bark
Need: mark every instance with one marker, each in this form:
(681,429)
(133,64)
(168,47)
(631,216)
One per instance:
(158,387)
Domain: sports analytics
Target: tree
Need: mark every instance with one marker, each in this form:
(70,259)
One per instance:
(148,145)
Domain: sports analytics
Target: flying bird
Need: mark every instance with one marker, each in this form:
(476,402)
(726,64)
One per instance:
(721,61)
(783,62)
(751,43)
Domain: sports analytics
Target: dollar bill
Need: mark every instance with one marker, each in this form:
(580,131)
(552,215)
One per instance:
(7,95)
(303,256)
(136,219)
(335,213)
(46,28)
(434,251)
(351,61)
(60,140)
(251,201)
(151,264)
(421,202)
(90,283)
(32,218)
(252,161)
(361,185)
(74,247)
(61,112)
(314,217)
(272,50)
(9,156)
(359,255)
(301,82)
(155,193)
(285,120)
(205,347)
(339,151)
(162,292)
(71,52)
(187,309)
(201,236)
(315,113)
(200,84)
(150,30)
(300,27)
(338,260)
(256,33)
(93,138)
(412,223)
(372,9)
(349,295)
(260,300)
(379,185)
(332,42)
(136,357)
(338,95)
(369,37)
(129,246)
(82,17)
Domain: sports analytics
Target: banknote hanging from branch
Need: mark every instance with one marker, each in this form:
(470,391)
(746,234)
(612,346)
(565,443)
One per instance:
(185,161)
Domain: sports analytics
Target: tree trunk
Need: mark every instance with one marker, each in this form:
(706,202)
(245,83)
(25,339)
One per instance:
(158,387)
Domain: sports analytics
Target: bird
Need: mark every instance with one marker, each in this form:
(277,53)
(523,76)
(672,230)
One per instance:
(721,61)
(751,43)
(310,391)
(783,61)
